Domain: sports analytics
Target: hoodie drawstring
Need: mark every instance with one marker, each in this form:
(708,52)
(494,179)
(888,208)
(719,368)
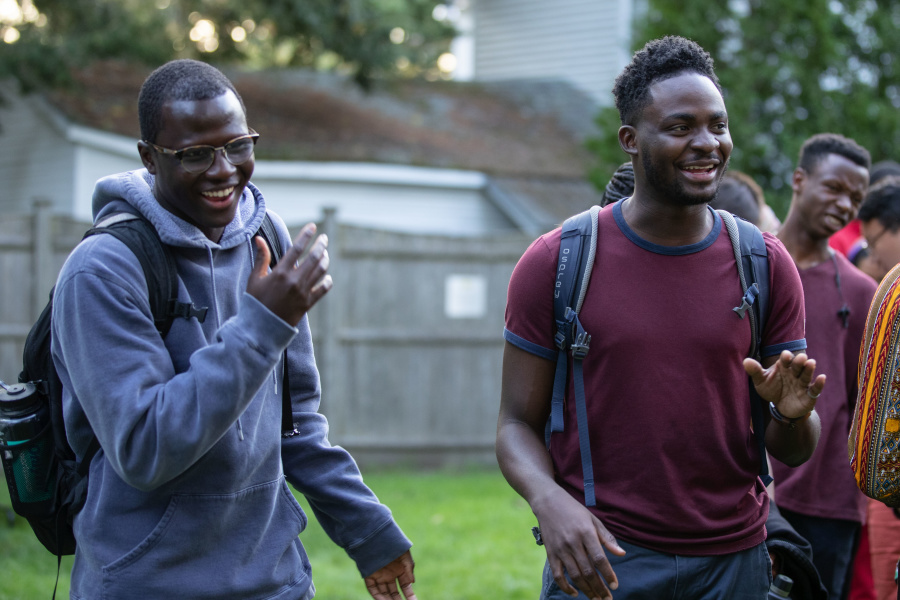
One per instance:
(251,246)
(215,295)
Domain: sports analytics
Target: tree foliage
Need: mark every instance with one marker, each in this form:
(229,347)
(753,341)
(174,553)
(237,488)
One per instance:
(367,38)
(789,70)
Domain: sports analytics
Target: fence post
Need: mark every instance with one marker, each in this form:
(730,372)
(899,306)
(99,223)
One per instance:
(329,349)
(42,245)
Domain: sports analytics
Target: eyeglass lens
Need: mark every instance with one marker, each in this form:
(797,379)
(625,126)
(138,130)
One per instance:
(200,158)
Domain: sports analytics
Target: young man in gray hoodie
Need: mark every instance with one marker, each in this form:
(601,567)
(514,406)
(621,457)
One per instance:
(188,497)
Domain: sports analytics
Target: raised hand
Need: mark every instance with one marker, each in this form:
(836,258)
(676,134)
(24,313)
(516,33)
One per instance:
(299,279)
(789,383)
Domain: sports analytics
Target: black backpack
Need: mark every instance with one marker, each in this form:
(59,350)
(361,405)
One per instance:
(52,519)
(578,247)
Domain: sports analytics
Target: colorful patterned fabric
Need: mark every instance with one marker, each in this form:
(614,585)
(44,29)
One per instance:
(874,444)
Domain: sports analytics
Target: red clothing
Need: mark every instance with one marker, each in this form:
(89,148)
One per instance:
(884,545)
(862,587)
(675,462)
(843,240)
(824,485)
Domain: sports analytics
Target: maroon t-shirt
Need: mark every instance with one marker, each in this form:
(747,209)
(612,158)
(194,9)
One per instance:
(675,461)
(824,485)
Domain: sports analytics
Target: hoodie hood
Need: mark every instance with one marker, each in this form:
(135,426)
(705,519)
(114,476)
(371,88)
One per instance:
(132,192)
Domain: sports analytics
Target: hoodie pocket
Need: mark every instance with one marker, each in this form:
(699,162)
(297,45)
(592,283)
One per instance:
(241,545)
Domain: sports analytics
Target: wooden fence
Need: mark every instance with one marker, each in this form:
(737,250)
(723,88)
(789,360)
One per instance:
(408,342)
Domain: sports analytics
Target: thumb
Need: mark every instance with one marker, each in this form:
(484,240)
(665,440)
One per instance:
(754,370)
(261,259)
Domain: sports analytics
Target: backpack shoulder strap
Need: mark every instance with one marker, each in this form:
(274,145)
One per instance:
(158,265)
(752,260)
(577,248)
(276,251)
(268,233)
(755,259)
(577,251)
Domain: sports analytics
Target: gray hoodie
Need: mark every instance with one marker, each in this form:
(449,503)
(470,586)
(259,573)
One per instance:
(188,497)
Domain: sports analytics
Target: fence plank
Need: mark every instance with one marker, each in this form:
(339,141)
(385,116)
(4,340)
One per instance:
(402,379)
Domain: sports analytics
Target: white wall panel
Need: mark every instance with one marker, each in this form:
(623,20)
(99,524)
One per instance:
(584,41)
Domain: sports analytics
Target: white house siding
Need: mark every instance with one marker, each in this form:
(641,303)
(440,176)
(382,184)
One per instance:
(65,167)
(394,198)
(35,158)
(584,41)
(94,160)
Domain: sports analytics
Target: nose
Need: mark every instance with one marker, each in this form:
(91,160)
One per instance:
(220,166)
(705,141)
(845,203)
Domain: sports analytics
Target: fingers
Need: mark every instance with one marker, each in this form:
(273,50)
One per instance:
(309,257)
(302,244)
(584,569)
(754,370)
(407,576)
(559,575)
(598,557)
(382,585)
(262,258)
(389,591)
(308,262)
(815,390)
(801,365)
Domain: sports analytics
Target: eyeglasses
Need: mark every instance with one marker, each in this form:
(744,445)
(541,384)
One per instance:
(870,244)
(197,159)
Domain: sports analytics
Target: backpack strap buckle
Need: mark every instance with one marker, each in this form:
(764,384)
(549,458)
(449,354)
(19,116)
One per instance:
(582,342)
(581,345)
(748,300)
(187,310)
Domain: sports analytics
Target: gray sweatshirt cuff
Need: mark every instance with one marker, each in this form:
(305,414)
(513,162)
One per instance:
(380,549)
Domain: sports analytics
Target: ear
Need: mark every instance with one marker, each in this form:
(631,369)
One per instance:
(628,139)
(148,157)
(798,178)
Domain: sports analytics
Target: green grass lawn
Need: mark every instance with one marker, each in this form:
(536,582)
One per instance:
(470,530)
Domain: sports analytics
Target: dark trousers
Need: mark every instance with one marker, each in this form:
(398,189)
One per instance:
(647,575)
(834,543)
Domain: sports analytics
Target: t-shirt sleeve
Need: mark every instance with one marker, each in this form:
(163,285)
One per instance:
(786,324)
(529,299)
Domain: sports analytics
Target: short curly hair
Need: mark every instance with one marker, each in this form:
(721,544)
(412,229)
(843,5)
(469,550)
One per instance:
(658,60)
(620,186)
(821,145)
(882,202)
(741,196)
(183,79)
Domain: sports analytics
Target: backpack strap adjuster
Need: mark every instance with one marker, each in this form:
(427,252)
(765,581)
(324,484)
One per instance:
(582,343)
(187,310)
(747,301)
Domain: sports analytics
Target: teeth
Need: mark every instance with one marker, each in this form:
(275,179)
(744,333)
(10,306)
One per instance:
(220,193)
(699,168)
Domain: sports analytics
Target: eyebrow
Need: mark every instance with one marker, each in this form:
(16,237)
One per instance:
(692,117)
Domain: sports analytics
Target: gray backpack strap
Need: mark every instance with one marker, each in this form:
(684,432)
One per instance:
(751,259)
(751,292)
(578,249)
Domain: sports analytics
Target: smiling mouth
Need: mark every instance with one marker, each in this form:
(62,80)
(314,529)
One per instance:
(219,194)
(837,222)
(700,172)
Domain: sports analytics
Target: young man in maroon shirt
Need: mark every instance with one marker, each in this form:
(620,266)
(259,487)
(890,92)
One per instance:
(680,509)
(820,498)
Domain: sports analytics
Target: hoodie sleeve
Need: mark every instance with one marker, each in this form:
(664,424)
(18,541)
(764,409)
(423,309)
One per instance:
(329,478)
(327,475)
(152,423)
